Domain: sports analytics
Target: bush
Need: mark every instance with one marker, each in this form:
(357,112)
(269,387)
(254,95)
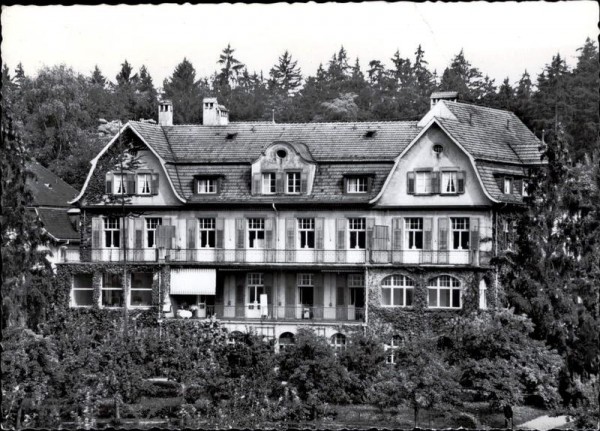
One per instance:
(466,420)
(194,393)
(160,389)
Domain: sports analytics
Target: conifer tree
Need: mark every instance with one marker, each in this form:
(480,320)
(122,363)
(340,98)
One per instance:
(186,93)
(461,76)
(231,68)
(286,76)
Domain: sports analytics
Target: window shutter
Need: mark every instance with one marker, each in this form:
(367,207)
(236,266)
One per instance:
(381,237)
(172,236)
(161,236)
(96,232)
(410,183)
(370,227)
(154,186)
(397,233)
(240,297)
(443,233)
(109,179)
(256,183)
(239,233)
(427,233)
(279,181)
(303,183)
(290,235)
(124,232)
(191,224)
(131,184)
(268,282)
(269,233)
(341,234)
(370,181)
(319,291)
(474,240)
(518,186)
(340,283)
(139,233)
(460,179)
(219,226)
(435,182)
(319,233)
(345,185)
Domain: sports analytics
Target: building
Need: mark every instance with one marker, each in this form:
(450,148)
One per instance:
(51,196)
(271,227)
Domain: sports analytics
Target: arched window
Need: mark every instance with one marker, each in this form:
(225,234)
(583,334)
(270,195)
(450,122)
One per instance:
(391,348)
(235,337)
(397,291)
(444,292)
(286,340)
(338,342)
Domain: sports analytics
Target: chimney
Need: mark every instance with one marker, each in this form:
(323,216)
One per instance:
(165,113)
(435,97)
(214,114)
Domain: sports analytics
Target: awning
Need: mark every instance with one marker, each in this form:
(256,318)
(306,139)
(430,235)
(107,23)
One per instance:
(193,281)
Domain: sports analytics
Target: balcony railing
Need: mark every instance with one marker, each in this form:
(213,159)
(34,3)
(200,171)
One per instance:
(297,256)
(308,313)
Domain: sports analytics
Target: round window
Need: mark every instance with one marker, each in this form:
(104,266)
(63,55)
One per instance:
(281,153)
(437,148)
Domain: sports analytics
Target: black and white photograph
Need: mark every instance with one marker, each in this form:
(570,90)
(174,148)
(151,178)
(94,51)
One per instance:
(370,215)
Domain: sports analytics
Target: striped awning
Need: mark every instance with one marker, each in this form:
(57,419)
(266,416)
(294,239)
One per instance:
(193,281)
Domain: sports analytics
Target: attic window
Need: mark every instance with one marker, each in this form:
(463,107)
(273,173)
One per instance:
(231,136)
(438,149)
(370,133)
(281,154)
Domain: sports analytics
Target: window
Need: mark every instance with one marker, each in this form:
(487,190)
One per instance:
(449,182)
(256,233)
(357,185)
(507,185)
(338,342)
(151,224)
(423,182)
(281,153)
(206,227)
(306,231)
(268,183)
(460,233)
(482,295)
(525,191)
(305,287)
(397,291)
(112,290)
(358,233)
(293,182)
(112,232)
(119,184)
(286,341)
(438,149)
(255,287)
(414,233)
(391,349)
(144,184)
(141,289)
(356,280)
(206,185)
(444,292)
(83,290)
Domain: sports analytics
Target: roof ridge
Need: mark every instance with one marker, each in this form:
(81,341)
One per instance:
(268,123)
(479,106)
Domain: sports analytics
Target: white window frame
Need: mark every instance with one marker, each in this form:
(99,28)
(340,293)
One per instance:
(111,288)
(256,225)
(449,185)
(113,225)
(206,186)
(356,227)
(305,280)
(395,344)
(524,187)
(462,226)
(293,181)
(306,225)
(139,289)
(338,342)
(120,180)
(423,182)
(87,289)
(255,284)
(144,184)
(357,184)
(150,225)
(413,226)
(398,284)
(207,228)
(269,183)
(444,283)
(356,280)
(508,183)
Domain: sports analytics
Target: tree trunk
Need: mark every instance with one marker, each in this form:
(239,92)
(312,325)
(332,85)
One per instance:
(416,415)
(19,414)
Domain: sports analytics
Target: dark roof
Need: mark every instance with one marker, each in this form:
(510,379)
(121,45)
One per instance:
(491,175)
(57,223)
(492,134)
(47,188)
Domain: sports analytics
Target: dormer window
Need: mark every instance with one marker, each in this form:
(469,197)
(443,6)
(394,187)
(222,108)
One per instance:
(508,185)
(370,133)
(525,191)
(144,184)
(357,184)
(119,184)
(206,185)
(231,136)
(293,182)
(269,183)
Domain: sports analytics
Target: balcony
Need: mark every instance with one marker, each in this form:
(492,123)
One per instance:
(278,313)
(297,256)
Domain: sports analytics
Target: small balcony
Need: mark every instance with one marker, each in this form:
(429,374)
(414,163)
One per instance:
(270,256)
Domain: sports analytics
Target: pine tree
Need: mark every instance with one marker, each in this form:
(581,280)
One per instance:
(506,94)
(97,77)
(231,68)
(464,78)
(523,107)
(186,93)
(286,76)
(146,96)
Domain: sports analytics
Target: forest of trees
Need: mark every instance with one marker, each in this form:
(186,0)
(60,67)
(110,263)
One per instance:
(59,365)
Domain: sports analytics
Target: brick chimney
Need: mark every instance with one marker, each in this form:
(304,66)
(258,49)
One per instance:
(435,97)
(165,113)
(214,114)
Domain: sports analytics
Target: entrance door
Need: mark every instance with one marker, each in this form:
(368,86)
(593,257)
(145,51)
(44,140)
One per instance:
(253,304)
(357,303)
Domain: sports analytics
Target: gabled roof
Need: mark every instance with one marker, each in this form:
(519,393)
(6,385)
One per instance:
(56,221)
(47,188)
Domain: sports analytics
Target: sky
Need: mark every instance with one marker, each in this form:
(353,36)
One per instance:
(502,39)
